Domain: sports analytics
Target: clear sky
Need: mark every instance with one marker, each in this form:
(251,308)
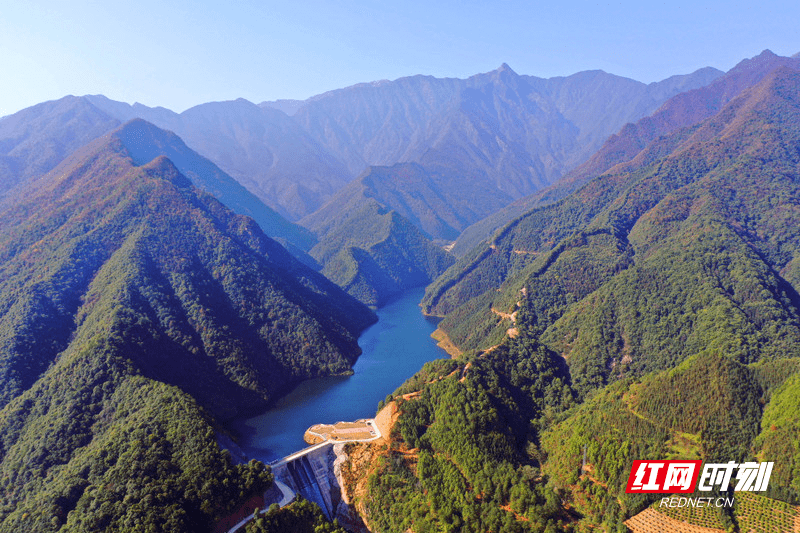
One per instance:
(179,54)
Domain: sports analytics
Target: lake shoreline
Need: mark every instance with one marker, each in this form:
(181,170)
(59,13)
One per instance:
(393,350)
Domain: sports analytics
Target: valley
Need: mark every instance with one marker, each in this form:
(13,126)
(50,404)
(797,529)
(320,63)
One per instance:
(200,308)
(392,349)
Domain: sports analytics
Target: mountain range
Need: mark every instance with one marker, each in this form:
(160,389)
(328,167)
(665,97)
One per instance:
(652,313)
(682,110)
(36,140)
(499,133)
(53,124)
(546,240)
(259,146)
(651,247)
(456,150)
(497,257)
(126,290)
(512,133)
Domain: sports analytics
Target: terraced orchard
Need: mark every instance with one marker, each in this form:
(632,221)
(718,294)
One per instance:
(758,514)
(652,521)
(707,517)
(752,513)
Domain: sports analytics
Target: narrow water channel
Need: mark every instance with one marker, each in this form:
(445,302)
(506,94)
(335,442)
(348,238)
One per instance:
(393,350)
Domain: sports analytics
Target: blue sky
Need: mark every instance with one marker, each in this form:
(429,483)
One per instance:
(179,54)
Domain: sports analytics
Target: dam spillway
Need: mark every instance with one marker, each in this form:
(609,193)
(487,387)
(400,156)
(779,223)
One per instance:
(311,476)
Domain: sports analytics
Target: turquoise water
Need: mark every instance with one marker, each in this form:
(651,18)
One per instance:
(393,350)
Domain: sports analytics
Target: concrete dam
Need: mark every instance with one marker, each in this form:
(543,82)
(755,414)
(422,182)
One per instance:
(311,475)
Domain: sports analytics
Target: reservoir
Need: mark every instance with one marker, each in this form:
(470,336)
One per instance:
(394,349)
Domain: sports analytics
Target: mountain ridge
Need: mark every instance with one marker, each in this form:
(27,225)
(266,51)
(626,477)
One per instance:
(145,141)
(136,314)
(621,147)
(612,212)
(654,312)
(86,175)
(261,147)
(296,164)
(49,132)
(375,253)
(447,103)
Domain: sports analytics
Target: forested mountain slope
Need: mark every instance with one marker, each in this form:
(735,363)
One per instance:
(145,142)
(658,318)
(261,147)
(716,417)
(479,143)
(35,140)
(133,308)
(682,110)
(745,148)
(463,450)
(376,254)
(496,442)
(98,204)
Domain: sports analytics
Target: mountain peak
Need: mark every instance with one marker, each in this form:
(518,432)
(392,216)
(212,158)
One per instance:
(140,137)
(766,56)
(136,125)
(505,69)
(165,169)
(760,65)
(503,73)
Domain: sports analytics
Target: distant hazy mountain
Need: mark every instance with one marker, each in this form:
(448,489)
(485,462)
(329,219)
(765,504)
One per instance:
(133,307)
(262,148)
(376,123)
(35,140)
(682,110)
(462,176)
(440,204)
(599,103)
(497,135)
(503,134)
(145,142)
(289,107)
